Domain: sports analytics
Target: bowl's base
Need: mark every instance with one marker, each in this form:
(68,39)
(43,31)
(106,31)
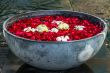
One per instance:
(25,68)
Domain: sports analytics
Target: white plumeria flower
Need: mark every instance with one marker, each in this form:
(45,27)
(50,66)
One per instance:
(61,24)
(57,22)
(54,30)
(33,29)
(79,27)
(42,28)
(59,39)
(67,37)
(62,38)
(28,29)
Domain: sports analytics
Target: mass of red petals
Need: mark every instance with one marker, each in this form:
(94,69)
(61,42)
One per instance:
(90,29)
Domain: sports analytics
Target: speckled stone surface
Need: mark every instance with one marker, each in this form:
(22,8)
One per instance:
(56,55)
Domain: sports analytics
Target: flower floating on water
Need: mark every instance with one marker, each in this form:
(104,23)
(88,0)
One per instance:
(62,38)
(54,30)
(57,22)
(29,29)
(79,27)
(61,25)
(33,29)
(42,28)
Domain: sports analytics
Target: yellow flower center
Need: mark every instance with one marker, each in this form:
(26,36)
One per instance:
(42,28)
(63,25)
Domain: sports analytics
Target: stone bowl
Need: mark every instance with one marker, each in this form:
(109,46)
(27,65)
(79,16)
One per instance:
(53,55)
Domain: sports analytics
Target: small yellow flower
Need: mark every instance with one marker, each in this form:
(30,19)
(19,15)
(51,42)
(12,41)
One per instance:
(63,25)
(42,28)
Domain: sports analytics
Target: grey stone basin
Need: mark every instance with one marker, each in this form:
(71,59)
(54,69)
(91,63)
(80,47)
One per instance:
(54,55)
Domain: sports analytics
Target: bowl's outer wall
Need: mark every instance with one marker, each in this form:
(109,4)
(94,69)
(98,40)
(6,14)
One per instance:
(55,56)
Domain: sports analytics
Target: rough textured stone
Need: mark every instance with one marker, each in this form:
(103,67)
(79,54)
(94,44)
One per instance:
(97,7)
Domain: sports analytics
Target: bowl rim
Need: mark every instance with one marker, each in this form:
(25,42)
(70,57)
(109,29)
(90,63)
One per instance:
(5,29)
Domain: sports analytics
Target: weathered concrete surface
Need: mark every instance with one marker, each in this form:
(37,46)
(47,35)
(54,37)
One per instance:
(97,7)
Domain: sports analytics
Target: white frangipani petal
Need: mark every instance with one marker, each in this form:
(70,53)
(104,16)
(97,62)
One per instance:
(57,22)
(33,29)
(62,38)
(54,30)
(79,27)
(59,39)
(28,29)
(61,24)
